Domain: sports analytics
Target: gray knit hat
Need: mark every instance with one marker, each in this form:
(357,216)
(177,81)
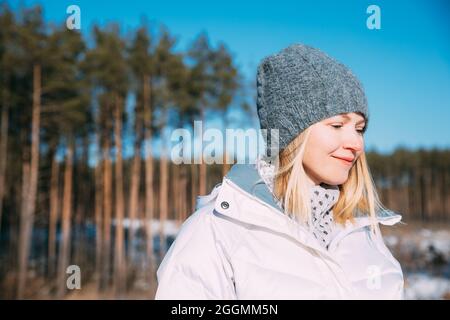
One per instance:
(300,86)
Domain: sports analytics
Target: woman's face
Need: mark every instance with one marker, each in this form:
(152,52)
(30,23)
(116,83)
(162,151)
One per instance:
(330,141)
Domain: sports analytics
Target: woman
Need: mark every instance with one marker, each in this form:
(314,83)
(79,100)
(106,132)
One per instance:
(303,223)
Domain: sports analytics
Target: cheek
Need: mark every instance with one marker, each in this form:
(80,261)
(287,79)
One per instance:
(325,139)
(320,162)
(317,160)
(320,147)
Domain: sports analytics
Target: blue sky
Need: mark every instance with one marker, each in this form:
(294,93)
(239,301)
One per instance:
(404,66)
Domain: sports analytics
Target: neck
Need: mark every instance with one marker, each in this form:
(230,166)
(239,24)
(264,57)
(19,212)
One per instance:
(311,182)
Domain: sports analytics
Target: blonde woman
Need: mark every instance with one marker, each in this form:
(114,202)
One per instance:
(303,222)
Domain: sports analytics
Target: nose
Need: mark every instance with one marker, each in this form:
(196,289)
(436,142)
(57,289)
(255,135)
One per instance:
(354,141)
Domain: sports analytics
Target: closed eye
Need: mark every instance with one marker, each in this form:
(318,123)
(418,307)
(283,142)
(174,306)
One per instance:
(360,131)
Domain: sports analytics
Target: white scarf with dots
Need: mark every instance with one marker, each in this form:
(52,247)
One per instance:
(323,197)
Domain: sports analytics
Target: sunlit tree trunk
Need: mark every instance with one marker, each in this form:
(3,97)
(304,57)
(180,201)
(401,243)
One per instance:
(225,166)
(183,186)
(175,192)
(107,209)
(444,195)
(82,205)
(163,190)
(134,187)
(415,194)
(4,123)
(98,223)
(149,192)
(53,219)
(64,249)
(422,186)
(194,184)
(203,172)
(24,231)
(27,216)
(119,261)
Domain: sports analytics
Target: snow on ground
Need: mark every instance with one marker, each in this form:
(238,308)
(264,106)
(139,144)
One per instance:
(424,254)
(424,286)
(170,227)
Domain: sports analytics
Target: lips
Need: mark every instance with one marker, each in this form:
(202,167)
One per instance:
(346,159)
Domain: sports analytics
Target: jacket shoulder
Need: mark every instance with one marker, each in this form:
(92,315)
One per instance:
(196,265)
(195,233)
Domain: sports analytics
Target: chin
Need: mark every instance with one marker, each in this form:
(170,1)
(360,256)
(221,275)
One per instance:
(336,181)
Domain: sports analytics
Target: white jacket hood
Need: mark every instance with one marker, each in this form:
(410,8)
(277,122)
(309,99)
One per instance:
(240,245)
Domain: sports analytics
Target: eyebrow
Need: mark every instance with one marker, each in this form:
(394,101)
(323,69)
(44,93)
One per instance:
(349,118)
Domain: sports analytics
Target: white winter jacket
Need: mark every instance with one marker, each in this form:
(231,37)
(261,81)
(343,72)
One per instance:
(239,245)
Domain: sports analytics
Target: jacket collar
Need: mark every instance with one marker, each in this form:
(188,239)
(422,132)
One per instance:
(323,196)
(246,177)
(245,180)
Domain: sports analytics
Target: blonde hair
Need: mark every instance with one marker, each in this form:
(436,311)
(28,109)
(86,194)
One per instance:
(358,195)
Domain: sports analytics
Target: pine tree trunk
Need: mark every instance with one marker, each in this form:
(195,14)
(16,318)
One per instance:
(119,261)
(175,205)
(225,166)
(411,198)
(149,192)
(194,185)
(203,177)
(98,223)
(24,232)
(422,191)
(30,201)
(134,186)
(407,200)
(53,219)
(78,236)
(64,249)
(84,190)
(3,150)
(107,210)
(184,207)
(149,204)
(444,195)
(163,199)
(134,199)
(434,194)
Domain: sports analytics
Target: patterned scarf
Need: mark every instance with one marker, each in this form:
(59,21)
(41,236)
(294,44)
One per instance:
(323,197)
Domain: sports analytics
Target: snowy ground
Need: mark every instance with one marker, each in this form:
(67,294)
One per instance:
(170,227)
(424,254)
(425,286)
